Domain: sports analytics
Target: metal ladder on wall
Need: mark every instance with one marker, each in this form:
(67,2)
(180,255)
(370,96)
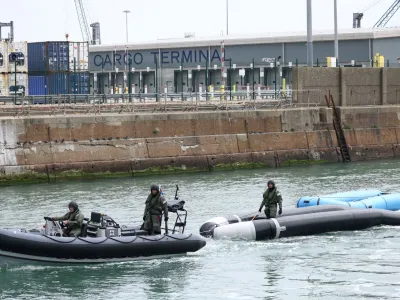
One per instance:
(337,125)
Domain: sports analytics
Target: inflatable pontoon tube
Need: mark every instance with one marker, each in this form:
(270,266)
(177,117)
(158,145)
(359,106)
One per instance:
(207,228)
(386,201)
(303,225)
(19,244)
(343,197)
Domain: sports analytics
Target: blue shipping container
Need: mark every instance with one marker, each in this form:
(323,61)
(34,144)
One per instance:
(79,83)
(58,83)
(36,85)
(48,57)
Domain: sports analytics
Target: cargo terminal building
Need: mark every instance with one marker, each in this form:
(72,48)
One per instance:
(181,64)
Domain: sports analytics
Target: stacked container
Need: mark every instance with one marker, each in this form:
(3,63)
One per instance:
(13,68)
(3,68)
(57,68)
(3,84)
(17,57)
(3,57)
(80,52)
(21,87)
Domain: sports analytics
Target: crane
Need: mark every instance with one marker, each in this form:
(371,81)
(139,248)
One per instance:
(93,39)
(388,14)
(383,20)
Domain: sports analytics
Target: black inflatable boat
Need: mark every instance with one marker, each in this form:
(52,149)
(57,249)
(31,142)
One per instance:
(101,240)
(299,221)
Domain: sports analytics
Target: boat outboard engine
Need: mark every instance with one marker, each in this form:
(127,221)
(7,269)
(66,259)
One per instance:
(102,226)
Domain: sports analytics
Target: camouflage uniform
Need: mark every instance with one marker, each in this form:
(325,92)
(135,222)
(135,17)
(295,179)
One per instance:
(271,198)
(75,220)
(155,205)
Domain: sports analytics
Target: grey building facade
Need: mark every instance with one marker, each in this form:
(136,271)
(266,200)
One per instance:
(181,64)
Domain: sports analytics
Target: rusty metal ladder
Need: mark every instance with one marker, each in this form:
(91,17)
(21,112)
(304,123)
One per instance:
(337,125)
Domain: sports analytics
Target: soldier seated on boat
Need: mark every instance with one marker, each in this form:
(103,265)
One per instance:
(72,220)
(155,205)
(271,199)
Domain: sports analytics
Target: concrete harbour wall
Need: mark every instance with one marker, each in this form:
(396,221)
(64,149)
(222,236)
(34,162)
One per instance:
(349,86)
(55,147)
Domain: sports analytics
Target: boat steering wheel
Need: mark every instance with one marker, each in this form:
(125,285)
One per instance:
(62,225)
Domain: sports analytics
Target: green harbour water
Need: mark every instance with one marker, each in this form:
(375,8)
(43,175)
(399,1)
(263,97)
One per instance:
(339,265)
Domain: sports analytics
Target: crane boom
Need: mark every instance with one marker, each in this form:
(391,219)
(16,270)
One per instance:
(83,21)
(388,14)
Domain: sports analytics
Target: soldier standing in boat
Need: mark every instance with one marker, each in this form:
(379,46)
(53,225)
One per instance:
(271,199)
(155,205)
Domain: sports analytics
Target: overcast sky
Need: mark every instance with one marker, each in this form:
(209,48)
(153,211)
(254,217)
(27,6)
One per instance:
(50,20)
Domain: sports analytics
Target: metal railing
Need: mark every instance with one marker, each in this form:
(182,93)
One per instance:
(143,97)
(128,103)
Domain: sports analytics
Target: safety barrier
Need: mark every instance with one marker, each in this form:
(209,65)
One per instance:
(128,103)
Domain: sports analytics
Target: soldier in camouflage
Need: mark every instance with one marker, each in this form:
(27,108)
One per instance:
(72,220)
(155,205)
(271,199)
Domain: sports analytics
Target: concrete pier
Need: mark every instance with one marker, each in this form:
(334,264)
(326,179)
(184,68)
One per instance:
(52,148)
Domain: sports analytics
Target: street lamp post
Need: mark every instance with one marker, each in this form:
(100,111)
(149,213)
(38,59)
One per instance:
(276,64)
(130,80)
(227,17)
(157,89)
(15,79)
(229,74)
(181,67)
(336,32)
(206,79)
(252,71)
(126,20)
(310,50)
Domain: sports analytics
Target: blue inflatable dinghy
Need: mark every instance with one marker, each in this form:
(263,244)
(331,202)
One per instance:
(339,197)
(356,199)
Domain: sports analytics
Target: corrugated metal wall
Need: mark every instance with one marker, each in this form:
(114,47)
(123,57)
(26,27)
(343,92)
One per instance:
(58,56)
(58,83)
(79,83)
(37,85)
(48,57)
(389,48)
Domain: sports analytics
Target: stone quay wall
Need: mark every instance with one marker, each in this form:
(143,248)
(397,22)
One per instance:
(52,148)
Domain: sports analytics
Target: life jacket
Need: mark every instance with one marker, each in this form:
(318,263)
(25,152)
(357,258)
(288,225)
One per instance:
(153,204)
(270,197)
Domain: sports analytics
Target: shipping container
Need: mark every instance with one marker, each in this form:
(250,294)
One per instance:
(48,57)
(79,83)
(58,83)
(3,57)
(78,56)
(8,86)
(17,57)
(3,84)
(37,85)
